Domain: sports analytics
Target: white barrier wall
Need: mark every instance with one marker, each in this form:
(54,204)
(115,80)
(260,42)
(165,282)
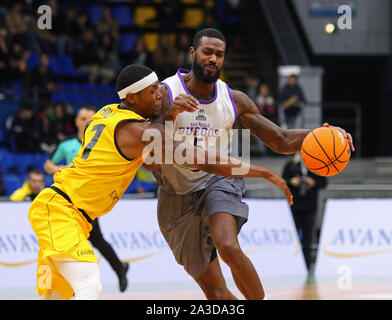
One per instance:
(356,236)
(268,238)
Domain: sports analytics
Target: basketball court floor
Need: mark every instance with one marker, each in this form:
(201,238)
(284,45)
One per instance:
(310,288)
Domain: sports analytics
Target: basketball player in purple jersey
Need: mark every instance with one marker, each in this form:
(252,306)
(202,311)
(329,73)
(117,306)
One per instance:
(201,213)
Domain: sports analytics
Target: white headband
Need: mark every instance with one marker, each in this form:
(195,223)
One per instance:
(138,85)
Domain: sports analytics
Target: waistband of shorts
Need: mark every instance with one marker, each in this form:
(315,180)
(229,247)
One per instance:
(66,197)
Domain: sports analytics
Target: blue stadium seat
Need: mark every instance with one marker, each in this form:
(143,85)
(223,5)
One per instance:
(39,160)
(7,163)
(70,87)
(11,182)
(87,88)
(54,64)
(133,186)
(123,16)
(23,161)
(149,186)
(66,64)
(127,42)
(33,61)
(48,180)
(74,97)
(17,89)
(95,12)
(58,97)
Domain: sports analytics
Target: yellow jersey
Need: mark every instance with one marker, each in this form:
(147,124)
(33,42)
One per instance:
(100,174)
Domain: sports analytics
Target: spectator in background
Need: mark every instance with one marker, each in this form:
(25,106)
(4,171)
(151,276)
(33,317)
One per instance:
(304,185)
(64,122)
(16,24)
(83,24)
(208,22)
(5,46)
(252,87)
(266,103)
(184,59)
(140,54)
(169,14)
(21,128)
(46,128)
(69,29)
(45,39)
(31,187)
(108,59)
(42,80)
(69,148)
(165,57)
(291,100)
(18,65)
(107,25)
(85,55)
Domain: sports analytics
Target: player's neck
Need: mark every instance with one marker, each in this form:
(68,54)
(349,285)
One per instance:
(125,105)
(199,89)
(80,135)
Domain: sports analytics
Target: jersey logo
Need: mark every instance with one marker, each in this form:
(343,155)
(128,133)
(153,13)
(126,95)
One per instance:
(201,116)
(114,196)
(106,112)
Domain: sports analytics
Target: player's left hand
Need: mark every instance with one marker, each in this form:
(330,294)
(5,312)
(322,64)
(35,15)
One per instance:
(345,134)
(278,181)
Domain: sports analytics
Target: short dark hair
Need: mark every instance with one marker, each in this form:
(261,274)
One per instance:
(36,171)
(208,32)
(131,74)
(89,108)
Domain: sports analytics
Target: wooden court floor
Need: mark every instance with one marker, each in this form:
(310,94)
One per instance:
(311,289)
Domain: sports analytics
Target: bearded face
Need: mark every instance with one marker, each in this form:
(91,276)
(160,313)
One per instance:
(208,72)
(207,59)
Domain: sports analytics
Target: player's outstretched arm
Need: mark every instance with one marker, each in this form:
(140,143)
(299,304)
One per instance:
(232,167)
(278,139)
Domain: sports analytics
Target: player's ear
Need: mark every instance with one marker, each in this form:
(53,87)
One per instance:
(130,98)
(192,52)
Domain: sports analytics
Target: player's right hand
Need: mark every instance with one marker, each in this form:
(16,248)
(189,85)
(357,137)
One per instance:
(182,102)
(281,183)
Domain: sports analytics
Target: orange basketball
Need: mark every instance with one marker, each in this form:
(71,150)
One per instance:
(325,151)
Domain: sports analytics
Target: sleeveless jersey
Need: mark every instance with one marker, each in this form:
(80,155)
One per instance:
(208,127)
(100,174)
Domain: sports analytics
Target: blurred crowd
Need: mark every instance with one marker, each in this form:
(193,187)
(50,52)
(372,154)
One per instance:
(41,130)
(83,49)
(95,48)
(284,109)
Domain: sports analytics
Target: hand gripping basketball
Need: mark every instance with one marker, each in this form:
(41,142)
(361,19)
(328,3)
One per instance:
(326,151)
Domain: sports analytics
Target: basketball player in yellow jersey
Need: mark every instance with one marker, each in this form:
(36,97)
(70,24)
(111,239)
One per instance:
(95,180)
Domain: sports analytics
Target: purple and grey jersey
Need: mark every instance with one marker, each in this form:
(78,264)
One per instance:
(209,128)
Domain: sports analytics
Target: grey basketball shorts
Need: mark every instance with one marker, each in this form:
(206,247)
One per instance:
(183,220)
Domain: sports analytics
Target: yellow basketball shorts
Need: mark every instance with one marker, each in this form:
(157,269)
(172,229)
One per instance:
(62,232)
